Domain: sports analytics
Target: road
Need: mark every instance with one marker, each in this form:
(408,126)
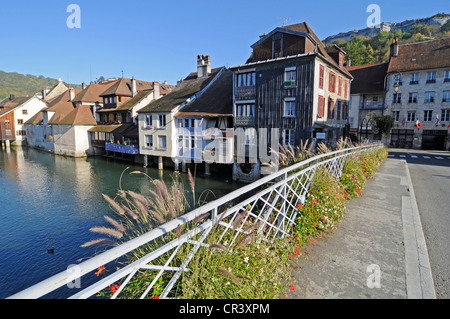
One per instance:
(430,174)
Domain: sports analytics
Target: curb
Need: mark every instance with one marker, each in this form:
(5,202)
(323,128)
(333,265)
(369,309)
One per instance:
(419,279)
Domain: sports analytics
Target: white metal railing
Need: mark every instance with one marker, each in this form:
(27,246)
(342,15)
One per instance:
(269,204)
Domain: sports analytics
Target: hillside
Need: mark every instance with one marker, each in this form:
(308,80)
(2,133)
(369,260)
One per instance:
(368,46)
(24,85)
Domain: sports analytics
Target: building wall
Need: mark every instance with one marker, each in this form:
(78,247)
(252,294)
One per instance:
(169,132)
(421,88)
(31,108)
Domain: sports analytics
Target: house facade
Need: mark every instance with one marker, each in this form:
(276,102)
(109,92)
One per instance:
(367,99)
(117,131)
(62,128)
(418,94)
(290,90)
(157,123)
(14,113)
(205,127)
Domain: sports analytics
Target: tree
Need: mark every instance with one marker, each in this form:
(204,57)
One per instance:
(446,27)
(382,124)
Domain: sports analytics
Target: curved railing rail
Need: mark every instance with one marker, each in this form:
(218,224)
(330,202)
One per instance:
(269,204)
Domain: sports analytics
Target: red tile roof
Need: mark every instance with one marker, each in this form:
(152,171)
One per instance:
(432,54)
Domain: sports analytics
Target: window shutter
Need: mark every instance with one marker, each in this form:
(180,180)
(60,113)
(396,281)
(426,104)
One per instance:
(321,106)
(321,76)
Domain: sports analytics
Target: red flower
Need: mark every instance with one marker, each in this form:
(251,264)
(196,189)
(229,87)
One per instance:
(100,270)
(337,195)
(297,252)
(156,297)
(114,288)
(293,287)
(313,241)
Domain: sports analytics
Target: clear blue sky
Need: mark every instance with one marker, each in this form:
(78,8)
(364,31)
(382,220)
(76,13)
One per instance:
(160,40)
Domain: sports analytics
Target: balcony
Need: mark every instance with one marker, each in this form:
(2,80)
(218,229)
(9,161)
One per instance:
(124,149)
(245,120)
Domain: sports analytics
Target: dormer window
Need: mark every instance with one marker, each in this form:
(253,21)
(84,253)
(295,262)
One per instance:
(277,46)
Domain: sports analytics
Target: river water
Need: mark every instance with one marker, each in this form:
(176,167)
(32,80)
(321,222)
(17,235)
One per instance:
(50,202)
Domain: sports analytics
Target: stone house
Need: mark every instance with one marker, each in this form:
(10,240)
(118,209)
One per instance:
(418,94)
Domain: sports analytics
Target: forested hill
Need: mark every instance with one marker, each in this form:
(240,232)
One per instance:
(23,85)
(373,46)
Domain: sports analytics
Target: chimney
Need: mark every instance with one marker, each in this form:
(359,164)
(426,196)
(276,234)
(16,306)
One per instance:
(133,87)
(349,62)
(156,94)
(12,97)
(71,94)
(83,86)
(44,93)
(394,47)
(203,66)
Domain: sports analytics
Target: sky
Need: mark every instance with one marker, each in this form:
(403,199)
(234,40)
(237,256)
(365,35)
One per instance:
(160,40)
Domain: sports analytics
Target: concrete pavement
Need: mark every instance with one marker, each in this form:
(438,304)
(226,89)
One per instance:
(377,252)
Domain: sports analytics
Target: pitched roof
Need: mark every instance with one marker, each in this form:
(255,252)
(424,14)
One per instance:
(215,101)
(130,103)
(368,78)
(123,87)
(303,29)
(9,104)
(185,90)
(92,93)
(422,55)
(81,115)
(65,113)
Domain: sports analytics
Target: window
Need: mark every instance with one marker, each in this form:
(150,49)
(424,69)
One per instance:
(8,132)
(429,97)
(398,79)
(250,136)
(7,121)
(149,141)
(246,79)
(289,107)
(290,77)
(105,100)
(445,115)
(431,77)
(447,76)
(321,110)
(411,117)
(245,110)
(446,96)
(277,48)
(338,114)
(330,109)
(427,115)
(412,98)
(21,133)
(20,122)
(332,86)
(148,121)
(321,76)
(289,137)
(396,115)
(162,121)
(397,98)
(162,142)
(24,112)
(340,86)
(414,78)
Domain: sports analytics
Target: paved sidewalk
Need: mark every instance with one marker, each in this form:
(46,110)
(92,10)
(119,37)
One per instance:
(377,252)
